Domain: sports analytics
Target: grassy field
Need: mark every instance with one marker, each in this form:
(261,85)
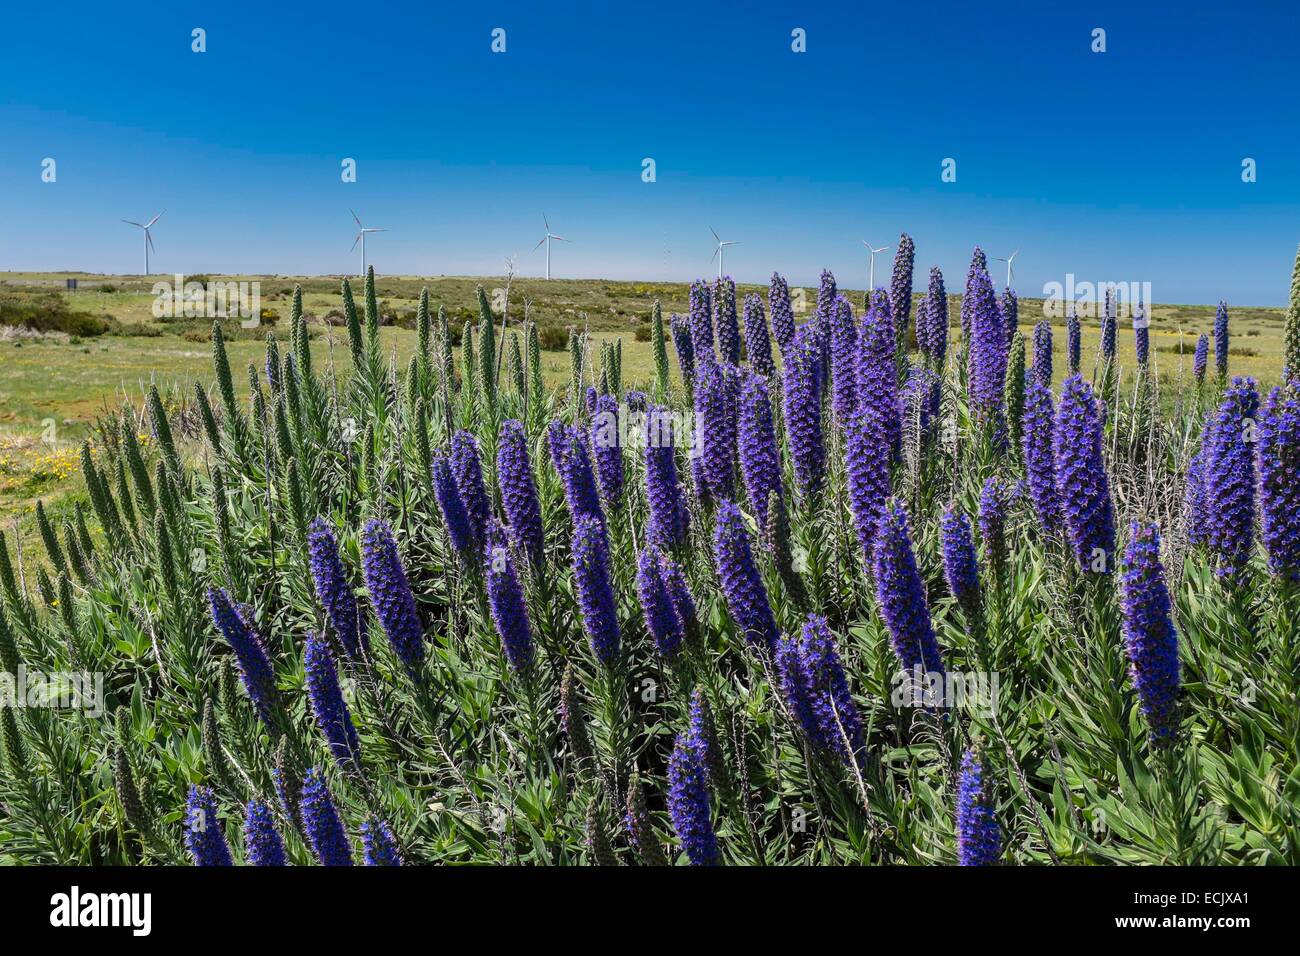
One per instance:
(53,387)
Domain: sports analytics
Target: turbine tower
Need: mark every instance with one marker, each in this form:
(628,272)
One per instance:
(361,238)
(1008,260)
(547,239)
(872,281)
(718,252)
(148,238)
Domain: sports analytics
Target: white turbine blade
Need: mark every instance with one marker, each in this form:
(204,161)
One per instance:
(545,223)
(539,243)
(561,239)
(129,222)
(377,230)
(155,219)
(1013,255)
(715,235)
(354,216)
(356,240)
(148,238)
(715,253)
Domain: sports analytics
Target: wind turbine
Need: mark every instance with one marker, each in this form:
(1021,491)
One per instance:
(547,239)
(148,239)
(361,238)
(872,281)
(717,253)
(1008,260)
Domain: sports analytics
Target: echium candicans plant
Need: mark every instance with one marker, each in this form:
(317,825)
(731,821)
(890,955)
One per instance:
(826,293)
(1039,453)
(572,463)
(844,355)
(327,704)
(816,689)
(1014,388)
(690,802)
(900,288)
(716,388)
(901,595)
(778,303)
(727,326)
(1082,484)
(262,843)
(978,264)
(1229,479)
(760,459)
(758,344)
(321,822)
(1278,455)
(921,398)
(1109,328)
(591,578)
(661,617)
(742,584)
(334,590)
(254,664)
(1042,367)
(467,466)
(960,567)
(455,518)
(1141,335)
(685,349)
(803,415)
(204,836)
(607,449)
(936,319)
(988,353)
(668,520)
(519,499)
(701,320)
(866,467)
(1201,358)
(1221,339)
(506,601)
(1073,342)
(390,594)
(680,594)
(877,373)
(979,836)
(1149,635)
(993,504)
(1009,308)
(378,845)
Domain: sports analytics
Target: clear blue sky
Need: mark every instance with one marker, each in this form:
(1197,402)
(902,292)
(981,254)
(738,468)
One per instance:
(1122,166)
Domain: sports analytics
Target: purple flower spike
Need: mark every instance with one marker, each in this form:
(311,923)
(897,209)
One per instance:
(1229,478)
(701,322)
(1278,453)
(1201,358)
(1221,339)
(595,592)
(900,284)
(519,492)
(758,345)
(988,352)
(1081,481)
(661,617)
(506,602)
(333,590)
(760,461)
(327,704)
(878,374)
(321,823)
(390,593)
(1149,633)
(454,515)
(936,308)
(803,416)
(817,691)
(262,843)
(979,838)
(573,464)
(468,469)
(901,594)
(669,520)
(1073,341)
(728,328)
(254,663)
(684,347)
(715,408)
(1043,353)
(204,837)
(960,568)
(778,303)
(844,356)
(606,444)
(742,584)
(689,802)
(1038,426)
